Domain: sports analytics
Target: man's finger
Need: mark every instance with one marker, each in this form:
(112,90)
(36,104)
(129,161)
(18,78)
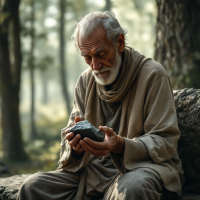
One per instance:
(96,145)
(93,151)
(75,140)
(78,119)
(107,130)
(66,131)
(86,149)
(90,148)
(77,147)
(69,136)
(81,149)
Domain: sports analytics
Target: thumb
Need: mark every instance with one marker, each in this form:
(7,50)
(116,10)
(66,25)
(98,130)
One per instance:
(78,119)
(107,130)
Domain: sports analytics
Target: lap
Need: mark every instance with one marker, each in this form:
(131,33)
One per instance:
(136,184)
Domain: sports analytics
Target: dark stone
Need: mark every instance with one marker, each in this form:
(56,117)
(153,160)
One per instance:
(86,129)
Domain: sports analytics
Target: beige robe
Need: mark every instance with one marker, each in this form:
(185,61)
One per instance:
(145,117)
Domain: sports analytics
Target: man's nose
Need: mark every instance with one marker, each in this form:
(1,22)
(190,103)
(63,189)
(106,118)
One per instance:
(96,64)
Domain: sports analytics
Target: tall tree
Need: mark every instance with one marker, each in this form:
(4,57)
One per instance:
(28,30)
(10,71)
(31,63)
(178,41)
(44,64)
(108,5)
(62,6)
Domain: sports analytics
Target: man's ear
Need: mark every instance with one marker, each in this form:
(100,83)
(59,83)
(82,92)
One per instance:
(121,42)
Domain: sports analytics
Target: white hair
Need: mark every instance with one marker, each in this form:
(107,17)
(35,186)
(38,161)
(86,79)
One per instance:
(87,25)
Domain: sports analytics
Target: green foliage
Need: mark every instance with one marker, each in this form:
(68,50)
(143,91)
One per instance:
(45,62)
(4,16)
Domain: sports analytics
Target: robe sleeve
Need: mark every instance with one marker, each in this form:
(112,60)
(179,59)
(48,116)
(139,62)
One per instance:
(161,133)
(67,162)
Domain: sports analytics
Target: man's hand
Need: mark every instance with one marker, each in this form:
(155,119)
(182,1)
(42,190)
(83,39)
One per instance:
(112,143)
(74,142)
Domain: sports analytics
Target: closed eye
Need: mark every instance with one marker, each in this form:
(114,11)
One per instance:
(102,53)
(87,58)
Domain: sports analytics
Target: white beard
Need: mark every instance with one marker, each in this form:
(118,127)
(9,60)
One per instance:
(114,70)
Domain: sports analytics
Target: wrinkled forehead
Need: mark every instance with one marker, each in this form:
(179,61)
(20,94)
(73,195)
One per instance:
(98,39)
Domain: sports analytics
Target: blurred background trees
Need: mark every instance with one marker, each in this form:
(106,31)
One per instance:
(62,52)
(37,91)
(108,5)
(31,65)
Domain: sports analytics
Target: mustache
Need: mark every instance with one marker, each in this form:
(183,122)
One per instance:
(101,70)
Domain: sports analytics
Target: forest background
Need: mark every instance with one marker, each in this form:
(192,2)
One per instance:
(39,66)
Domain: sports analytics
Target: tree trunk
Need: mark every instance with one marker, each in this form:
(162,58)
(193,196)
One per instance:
(10,81)
(108,5)
(62,56)
(178,41)
(44,88)
(31,62)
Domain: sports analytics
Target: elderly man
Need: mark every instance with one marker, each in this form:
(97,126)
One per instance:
(128,97)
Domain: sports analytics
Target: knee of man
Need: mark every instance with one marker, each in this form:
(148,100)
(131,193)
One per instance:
(32,182)
(132,186)
(135,184)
